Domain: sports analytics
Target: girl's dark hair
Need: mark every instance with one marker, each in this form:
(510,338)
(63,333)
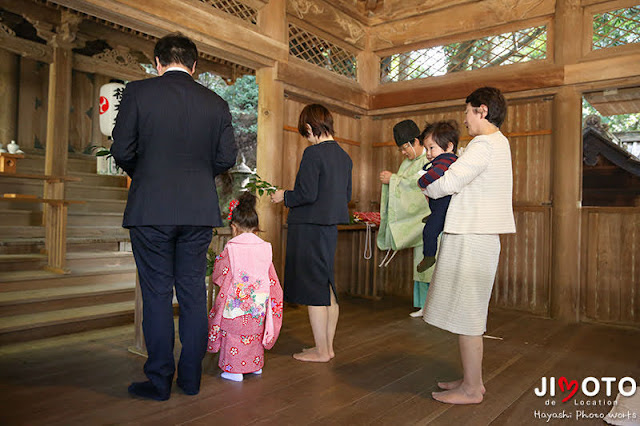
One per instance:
(495,102)
(175,48)
(442,132)
(318,117)
(245,215)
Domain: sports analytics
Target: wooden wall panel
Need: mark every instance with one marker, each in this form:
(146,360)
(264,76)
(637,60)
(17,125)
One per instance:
(82,108)
(522,280)
(32,104)
(610,289)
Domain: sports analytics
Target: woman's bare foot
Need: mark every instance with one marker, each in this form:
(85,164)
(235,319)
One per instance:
(455,384)
(331,353)
(459,395)
(312,355)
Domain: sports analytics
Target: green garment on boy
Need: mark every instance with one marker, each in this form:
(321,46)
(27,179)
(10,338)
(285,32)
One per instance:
(402,207)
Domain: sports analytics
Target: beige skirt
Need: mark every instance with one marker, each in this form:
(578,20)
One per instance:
(458,297)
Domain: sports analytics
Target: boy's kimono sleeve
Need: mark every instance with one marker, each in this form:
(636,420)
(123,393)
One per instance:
(221,277)
(274,314)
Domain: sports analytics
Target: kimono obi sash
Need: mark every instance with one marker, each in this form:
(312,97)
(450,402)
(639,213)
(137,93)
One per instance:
(250,259)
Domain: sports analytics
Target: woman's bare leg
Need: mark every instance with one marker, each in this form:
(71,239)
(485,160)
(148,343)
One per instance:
(318,317)
(470,390)
(333,312)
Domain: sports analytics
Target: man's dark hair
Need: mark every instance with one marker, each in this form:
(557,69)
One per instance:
(495,102)
(442,132)
(176,49)
(318,117)
(244,215)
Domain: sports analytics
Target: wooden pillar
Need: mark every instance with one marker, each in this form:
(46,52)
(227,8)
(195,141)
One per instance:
(567,171)
(58,101)
(272,22)
(8,96)
(369,79)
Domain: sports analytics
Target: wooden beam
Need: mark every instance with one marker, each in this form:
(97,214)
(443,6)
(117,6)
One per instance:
(334,21)
(603,69)
(215,32)
(465,18)
(299,74)
(27,48)
(458,85)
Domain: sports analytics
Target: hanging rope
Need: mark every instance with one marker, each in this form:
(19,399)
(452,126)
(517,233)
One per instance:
(367,241)
(383,264)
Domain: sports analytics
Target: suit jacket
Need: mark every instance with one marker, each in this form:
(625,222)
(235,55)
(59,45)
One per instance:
(172,136)
(323,186)
(481,182)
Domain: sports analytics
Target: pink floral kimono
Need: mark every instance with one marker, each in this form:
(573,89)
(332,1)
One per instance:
(247,314)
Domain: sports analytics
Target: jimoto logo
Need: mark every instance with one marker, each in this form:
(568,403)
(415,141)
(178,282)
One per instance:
(590,386)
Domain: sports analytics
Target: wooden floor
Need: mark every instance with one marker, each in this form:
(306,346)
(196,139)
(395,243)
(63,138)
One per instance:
(385,369)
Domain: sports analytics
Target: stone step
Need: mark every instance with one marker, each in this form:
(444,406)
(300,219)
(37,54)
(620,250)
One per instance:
(41,279)
(51,299)
(30,326)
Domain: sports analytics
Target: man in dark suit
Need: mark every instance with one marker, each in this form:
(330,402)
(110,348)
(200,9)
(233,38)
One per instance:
(172,136)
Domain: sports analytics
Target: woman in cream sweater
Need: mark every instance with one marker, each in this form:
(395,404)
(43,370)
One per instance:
(480,183)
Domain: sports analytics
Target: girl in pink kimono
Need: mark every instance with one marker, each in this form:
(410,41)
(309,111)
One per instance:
(247,314)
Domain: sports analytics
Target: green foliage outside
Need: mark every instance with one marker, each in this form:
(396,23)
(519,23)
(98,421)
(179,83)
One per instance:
(616,28)
(242,97)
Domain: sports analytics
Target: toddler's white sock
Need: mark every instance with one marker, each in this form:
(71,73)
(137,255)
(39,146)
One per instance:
(236,377)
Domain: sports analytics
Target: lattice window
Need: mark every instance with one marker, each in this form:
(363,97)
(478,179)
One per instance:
(235,8)
(616,28)
(503,49)
(313,49)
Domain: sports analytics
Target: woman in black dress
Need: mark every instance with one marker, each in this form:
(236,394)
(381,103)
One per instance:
(317,204)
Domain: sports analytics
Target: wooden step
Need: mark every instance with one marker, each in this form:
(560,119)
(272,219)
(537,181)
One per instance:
(20,328)
(73,190)
(75,218)
(16,232)
(106,259)
(34,161)
(98,205)
(75,260)
(16,217)
(22,262)
(51,299)
(41,279)
(74,244)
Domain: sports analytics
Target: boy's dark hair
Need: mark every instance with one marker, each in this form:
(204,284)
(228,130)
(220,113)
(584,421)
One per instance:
(318,117)
(495,102)
(175,48)
(442,132)
(245,215)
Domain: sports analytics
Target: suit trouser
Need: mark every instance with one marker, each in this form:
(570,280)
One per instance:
(435,224)
(168,256)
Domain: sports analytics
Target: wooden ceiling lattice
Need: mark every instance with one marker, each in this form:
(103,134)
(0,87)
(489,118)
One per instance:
(616,28)
(235,8)
(313,49)
(503,49)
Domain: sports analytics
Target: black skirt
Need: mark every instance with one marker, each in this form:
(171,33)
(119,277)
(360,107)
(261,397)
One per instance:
(308,270)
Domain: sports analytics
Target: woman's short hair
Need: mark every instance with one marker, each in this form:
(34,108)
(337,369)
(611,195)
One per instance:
(176,48)
(318,117)
(442,132)
(495,102)
(244,215)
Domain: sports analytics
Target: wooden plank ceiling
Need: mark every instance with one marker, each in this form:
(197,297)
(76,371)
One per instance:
(616,101)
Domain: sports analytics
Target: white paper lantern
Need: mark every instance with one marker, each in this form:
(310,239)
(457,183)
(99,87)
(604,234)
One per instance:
(110,97)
